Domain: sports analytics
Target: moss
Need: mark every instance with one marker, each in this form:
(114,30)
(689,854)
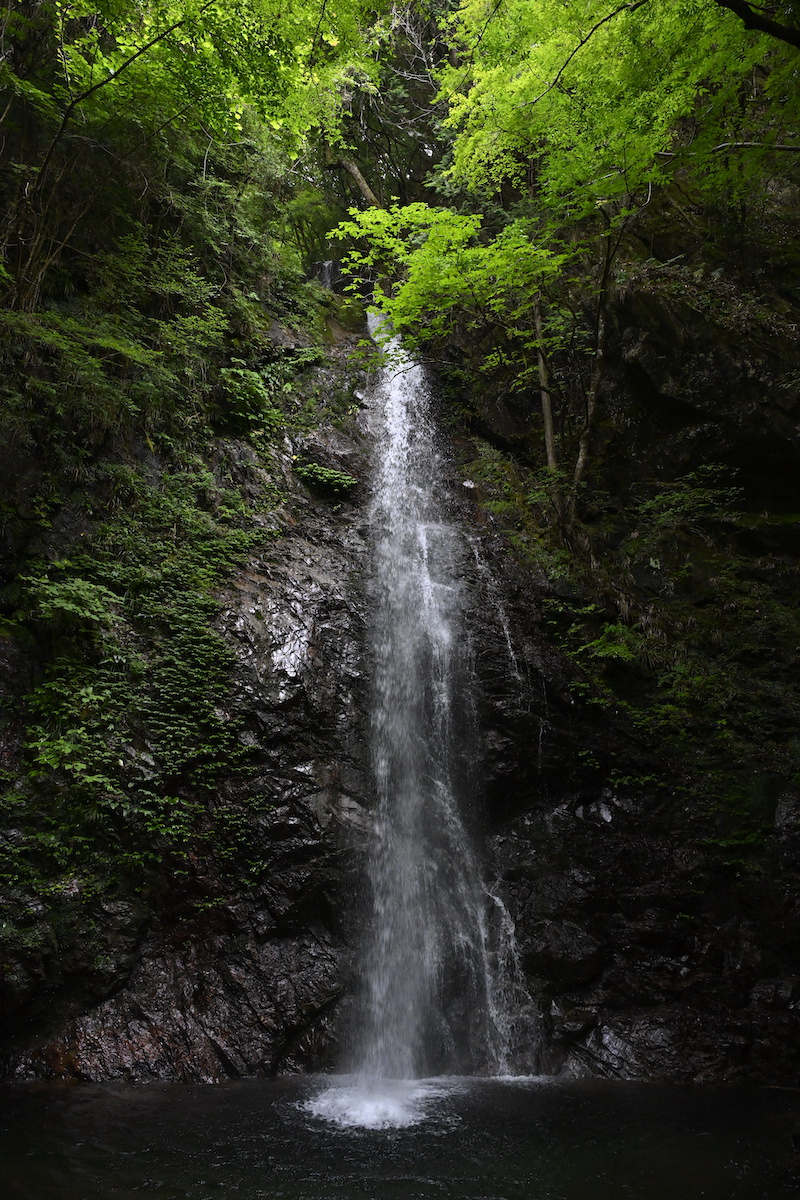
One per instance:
(675,627)
(324,479)
(124,732)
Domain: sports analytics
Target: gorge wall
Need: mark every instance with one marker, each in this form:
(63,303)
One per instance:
(656,904)
(224,957)
(183,784)
(650,856)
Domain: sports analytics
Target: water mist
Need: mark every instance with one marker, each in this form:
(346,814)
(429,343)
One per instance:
(437,941)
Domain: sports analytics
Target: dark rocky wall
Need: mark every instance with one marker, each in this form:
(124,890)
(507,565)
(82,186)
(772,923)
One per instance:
(649,953)
(236,966)
(656,945)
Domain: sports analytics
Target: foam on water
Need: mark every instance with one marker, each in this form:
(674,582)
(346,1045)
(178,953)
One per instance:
(355,1103)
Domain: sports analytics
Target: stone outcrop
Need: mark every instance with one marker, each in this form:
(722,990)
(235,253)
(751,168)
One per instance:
(236,966)
(649,949)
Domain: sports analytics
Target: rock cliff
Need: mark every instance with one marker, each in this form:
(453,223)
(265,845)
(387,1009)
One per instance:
(657,918)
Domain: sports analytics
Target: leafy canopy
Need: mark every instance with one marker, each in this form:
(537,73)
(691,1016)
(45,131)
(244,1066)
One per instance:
(288,61)
(591,100)
(444,269)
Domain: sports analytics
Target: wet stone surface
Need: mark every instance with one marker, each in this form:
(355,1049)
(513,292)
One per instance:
(648,956)
(235,968)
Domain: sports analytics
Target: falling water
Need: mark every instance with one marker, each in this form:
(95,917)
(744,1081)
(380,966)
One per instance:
(440,974)
(432,996)
(493,594)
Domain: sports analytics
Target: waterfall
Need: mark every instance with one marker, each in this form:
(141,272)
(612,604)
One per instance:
(431,1000)
(440,974)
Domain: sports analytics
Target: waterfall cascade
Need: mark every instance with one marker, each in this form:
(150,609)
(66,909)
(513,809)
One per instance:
(439,953)
(431,1000)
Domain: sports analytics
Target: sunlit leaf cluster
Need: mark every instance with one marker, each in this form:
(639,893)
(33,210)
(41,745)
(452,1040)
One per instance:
(585,102)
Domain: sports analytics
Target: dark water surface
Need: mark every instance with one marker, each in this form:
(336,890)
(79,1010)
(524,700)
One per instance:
(473,1139)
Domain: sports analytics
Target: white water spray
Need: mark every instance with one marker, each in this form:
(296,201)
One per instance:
(438,942)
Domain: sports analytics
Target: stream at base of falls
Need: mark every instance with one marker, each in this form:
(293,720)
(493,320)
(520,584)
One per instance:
(449,1138)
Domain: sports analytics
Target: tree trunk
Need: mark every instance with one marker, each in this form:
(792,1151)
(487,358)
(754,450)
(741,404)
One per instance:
(547,417)
(544,388)
(363,186)
(591,401)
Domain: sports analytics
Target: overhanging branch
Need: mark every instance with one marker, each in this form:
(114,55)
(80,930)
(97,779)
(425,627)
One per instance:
(629,8)
(105,81)
(753,19)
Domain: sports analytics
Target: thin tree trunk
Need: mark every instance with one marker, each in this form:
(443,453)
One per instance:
(544,388)
(591,401)
(547,416)
(363,186)
(584,443)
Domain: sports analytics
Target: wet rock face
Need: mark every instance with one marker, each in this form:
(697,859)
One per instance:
(650,959)
(687,387)
(235,968)
(649,950)
(234,999)
(657,942)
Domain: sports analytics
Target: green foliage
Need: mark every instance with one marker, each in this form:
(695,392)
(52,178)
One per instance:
(605,102)
(446,274)
(452,283)
(616,641)
(685,633)
(151,292)
(71,602)
(124,733)
(310,215)
(249,399)
(569,125)
(327,479)
(84,377)
(105,104)
(701,498)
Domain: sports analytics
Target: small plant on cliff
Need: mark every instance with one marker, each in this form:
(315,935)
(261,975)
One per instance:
(327,479)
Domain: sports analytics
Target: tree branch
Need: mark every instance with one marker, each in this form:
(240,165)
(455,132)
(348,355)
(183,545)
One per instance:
(79,99)
(361,183)
(756,20)
(733,146)
(470,61)
(312,58)
(755,145)
(580,45)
